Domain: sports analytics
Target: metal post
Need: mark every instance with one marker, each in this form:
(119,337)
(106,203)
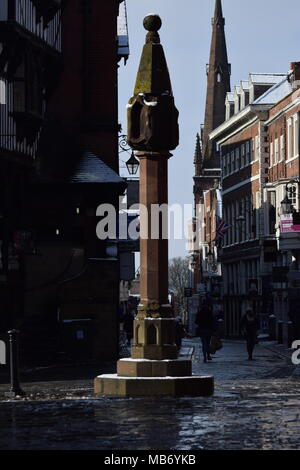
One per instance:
(15,388)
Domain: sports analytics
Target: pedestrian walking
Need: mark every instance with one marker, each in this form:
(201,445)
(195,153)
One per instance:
(206,327)
(180,332)
(250,326)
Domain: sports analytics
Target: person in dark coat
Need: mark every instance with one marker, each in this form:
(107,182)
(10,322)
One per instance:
(250,326)
(206,327)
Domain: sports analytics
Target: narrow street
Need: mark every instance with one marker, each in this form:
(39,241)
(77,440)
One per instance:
(255,406)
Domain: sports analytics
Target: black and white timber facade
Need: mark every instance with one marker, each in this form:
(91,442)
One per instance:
(30,48)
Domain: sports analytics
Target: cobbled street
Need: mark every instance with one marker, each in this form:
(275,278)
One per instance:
(256,405)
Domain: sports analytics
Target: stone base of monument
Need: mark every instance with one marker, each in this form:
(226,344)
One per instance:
(151,378)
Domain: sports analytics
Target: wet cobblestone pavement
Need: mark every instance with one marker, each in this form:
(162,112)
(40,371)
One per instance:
(255,406)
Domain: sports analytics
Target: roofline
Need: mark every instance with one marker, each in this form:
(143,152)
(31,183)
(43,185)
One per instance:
(247,113)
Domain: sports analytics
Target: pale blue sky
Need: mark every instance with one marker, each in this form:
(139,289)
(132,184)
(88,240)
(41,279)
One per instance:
(262,36)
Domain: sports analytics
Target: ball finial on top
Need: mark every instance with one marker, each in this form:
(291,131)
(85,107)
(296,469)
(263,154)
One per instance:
(152,23)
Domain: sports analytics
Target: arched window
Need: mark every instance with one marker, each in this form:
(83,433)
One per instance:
(219,77)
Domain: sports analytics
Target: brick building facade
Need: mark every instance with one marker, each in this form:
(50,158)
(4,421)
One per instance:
(259,145)
(249,147)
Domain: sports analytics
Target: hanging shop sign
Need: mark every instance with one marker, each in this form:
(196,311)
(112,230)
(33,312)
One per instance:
(287,223)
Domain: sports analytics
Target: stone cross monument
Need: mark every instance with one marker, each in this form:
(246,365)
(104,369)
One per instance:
(153,369)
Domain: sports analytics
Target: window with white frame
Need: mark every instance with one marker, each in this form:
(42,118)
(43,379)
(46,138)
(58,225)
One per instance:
(282,148)
(271,153)
(248,149)
(296,135)
(276,151)
(292,194)
(290,136)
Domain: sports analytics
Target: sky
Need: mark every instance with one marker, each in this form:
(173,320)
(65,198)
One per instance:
(262,36)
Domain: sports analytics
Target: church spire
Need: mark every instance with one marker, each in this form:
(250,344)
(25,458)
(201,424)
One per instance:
(218,80)
(218,10)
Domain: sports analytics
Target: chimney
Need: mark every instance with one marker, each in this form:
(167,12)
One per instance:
(295,67)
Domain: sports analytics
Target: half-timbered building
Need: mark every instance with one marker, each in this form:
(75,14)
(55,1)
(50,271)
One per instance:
(58,163)
(30,63)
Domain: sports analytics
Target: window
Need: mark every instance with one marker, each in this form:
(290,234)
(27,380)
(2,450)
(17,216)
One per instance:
(242,155)
(276,151)
(290,132)
(224,165)
(292,194)
(248,216)
(296,135)
(271,153)
(282,148)
(233,209)
(248,148)
(252,150)
(228,163)
(237,158)
(242,214)
(237,228)
(232,162)
(232,223)
(219,77)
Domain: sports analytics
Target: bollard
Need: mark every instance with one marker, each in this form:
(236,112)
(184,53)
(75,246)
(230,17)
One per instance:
(15,388)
